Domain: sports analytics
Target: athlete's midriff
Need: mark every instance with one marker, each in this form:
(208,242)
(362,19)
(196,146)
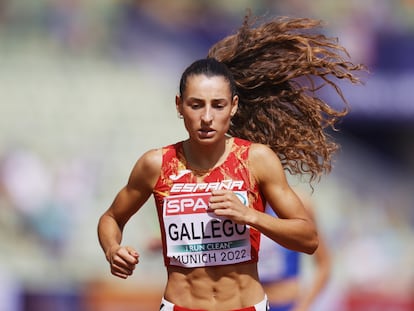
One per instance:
(214,288)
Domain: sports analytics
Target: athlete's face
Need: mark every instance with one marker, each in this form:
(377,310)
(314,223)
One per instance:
(207,106)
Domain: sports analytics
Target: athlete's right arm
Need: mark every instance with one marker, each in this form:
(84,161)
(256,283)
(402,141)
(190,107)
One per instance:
(127,202)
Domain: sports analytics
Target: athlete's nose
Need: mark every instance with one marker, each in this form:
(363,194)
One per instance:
(207,115)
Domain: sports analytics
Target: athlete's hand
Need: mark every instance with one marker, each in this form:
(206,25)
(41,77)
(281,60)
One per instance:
(122,260)
(226,203)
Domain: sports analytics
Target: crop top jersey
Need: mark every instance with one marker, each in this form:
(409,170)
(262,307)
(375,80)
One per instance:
(276,263)
(192,235)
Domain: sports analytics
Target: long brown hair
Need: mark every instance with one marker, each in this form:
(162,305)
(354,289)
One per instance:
(278,67)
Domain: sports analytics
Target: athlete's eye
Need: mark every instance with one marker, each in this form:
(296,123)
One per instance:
(219,104)
(195,106)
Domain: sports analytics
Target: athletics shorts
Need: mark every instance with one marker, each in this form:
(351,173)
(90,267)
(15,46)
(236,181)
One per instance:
(168,306)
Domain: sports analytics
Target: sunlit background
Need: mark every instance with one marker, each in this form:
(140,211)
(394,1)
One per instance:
(87,86)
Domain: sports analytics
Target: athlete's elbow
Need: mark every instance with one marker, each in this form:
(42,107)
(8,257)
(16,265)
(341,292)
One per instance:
(312,244)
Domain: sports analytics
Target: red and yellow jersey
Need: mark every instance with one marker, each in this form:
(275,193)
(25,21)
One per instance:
(193,236)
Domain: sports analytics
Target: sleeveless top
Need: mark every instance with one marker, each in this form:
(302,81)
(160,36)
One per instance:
(193,236)
(276,262)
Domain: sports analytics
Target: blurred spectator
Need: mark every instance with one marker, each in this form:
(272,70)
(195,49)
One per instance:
(280,272)
(27,184)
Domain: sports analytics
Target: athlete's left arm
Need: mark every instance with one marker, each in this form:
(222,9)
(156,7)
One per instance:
(293,228)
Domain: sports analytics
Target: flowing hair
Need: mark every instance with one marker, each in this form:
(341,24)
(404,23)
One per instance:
(278,68)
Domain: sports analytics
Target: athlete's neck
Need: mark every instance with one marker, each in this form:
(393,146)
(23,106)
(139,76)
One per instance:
(206,157)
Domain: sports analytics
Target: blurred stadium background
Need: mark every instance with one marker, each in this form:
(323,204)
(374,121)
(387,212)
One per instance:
(87,86)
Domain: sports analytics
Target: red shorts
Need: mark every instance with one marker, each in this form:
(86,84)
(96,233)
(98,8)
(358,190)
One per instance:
(177,308)
(168,306)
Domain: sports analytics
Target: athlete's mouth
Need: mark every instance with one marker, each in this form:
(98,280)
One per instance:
(206,132)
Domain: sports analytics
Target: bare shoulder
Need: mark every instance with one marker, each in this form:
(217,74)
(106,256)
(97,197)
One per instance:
(147,168)
(264,162)
(260,152)
(152,159)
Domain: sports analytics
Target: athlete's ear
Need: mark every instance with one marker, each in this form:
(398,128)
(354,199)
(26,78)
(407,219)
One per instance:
(235,105)
(179,106)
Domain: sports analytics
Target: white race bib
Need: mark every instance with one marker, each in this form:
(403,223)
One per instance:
(196,237)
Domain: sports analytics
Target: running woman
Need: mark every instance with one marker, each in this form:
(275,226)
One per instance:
(248,118)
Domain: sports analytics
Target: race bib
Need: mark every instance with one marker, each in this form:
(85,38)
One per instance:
(196,237)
